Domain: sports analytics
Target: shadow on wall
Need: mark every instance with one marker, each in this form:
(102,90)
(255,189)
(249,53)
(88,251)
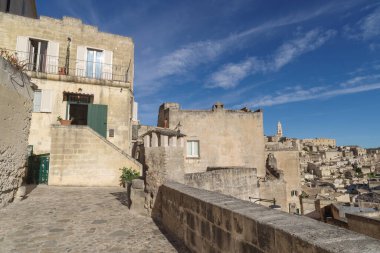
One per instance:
(157,215)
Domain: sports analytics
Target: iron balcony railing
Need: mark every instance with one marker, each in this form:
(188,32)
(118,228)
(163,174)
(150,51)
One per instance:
(71,67)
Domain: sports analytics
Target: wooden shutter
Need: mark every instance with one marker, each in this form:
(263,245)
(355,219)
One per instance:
(107,66)
(97,118)
(46,100)
(22,48)
(80,69)
(135,111)
(37,101)
(52,57)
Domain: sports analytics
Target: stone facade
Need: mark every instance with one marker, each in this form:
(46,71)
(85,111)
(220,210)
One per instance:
(15,113)
(365,223)
(226,138)
(240,183)
(80,157)
(289,163)
(320,142)
(211,222)
(66,67)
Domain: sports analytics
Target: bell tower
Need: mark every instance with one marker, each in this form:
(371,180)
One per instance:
(279,129)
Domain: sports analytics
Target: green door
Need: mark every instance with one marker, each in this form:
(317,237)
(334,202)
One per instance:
(44,170)
(97,118)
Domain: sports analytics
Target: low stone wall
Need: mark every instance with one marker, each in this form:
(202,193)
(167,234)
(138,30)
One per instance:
(365,223)
(211,222)
(81,157)
(237,182)
(15,113)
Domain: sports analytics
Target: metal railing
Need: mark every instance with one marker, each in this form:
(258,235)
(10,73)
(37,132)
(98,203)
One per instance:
(48,64)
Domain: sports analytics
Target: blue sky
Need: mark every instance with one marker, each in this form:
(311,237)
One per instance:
(313,65)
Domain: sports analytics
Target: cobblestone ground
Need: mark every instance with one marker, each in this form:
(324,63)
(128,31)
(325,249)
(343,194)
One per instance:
(73,219)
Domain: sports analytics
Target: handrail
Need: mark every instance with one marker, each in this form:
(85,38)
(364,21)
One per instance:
(49,64)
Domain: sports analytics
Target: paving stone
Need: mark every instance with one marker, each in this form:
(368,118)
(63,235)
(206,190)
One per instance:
(79,219)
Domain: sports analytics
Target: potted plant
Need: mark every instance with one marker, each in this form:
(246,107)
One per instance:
(64,122)
(127,175)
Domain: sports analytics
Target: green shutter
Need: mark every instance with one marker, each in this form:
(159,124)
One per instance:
(97,118)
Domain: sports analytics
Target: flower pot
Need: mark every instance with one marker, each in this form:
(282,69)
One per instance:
(65,122)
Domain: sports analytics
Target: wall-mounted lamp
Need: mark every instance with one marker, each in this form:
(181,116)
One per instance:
(80,90)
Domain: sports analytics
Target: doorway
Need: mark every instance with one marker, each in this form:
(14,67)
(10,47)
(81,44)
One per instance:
(78,114)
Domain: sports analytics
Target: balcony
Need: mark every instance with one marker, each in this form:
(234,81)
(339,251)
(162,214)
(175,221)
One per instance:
(70,69)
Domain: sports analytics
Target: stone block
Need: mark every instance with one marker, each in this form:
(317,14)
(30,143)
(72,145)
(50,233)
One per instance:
(266,237)
(138,184)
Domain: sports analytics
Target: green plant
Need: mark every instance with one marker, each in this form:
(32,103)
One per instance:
(59,118)
(127,175)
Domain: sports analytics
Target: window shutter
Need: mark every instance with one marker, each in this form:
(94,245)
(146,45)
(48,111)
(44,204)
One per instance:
(107,66)
(135,110)
(52,57)
(80,69)
(37,101)
(46,100)
(22,48)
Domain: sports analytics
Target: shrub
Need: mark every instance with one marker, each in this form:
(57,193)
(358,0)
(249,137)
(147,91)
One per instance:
(127,175)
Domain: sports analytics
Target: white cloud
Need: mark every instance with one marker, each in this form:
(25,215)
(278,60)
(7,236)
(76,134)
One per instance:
(366,28)
(294,48)
(229,75)
(360,80)
(189,56)
(300,94)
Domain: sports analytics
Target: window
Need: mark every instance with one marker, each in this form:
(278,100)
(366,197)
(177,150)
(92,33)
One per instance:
(94,63)
(192,148)
(37,55)
(37,101)
(43,101)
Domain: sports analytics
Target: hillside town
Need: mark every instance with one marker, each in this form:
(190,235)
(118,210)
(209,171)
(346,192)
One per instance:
(80,172)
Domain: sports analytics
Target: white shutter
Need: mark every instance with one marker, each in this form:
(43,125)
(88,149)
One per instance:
(52,57)
(22,48)
(107,66)
(46,100)
(80,69)
(135,110)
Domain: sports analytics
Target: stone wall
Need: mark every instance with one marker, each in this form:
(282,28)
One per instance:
(163,160)
(58,30)
(365,223)
(81,157)
(227,138)
(211,222)
(289,163)
(240,183)
(118,112)
(15,113)
(274,189)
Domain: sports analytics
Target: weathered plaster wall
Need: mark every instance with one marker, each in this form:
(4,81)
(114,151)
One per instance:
(15,112)
(118,114)
(226,138)
(80,157)
(240,183)
(211,222)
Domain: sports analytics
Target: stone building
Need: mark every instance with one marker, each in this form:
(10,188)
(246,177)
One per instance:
(217,137)
(321,142)
(26,8)
(84,76)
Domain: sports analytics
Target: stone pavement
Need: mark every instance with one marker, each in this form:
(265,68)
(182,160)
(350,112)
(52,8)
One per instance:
(79,219)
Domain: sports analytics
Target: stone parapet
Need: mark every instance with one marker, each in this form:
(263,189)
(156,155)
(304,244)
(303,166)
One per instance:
(211,222)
